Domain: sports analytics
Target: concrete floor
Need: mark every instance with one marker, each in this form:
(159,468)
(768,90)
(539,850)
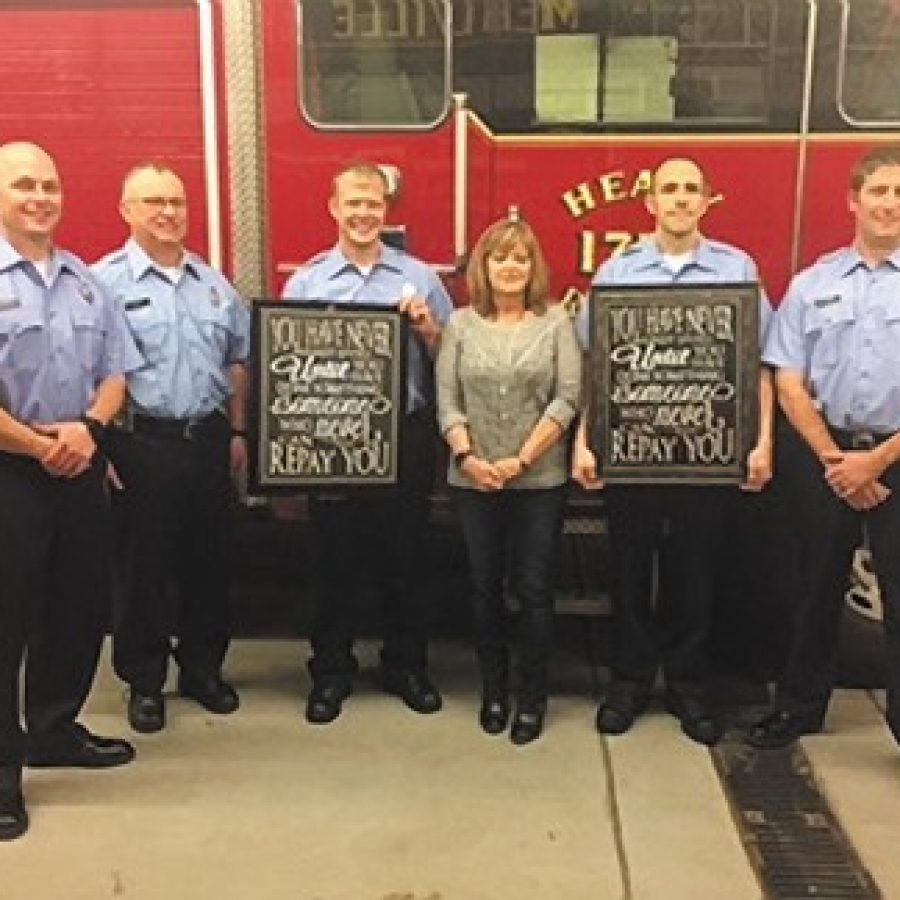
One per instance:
(387,805)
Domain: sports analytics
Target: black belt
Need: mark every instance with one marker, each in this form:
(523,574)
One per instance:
(859,438)
(197,428)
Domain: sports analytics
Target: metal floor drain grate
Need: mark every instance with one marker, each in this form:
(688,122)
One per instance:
(793,840)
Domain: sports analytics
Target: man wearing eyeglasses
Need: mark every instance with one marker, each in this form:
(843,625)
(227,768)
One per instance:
(64,348)
(179,443)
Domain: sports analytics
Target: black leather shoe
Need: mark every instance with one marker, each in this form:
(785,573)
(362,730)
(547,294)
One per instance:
(76,747)
(781,727)
(13,816)
(415,690)
(210,692)
(324,702)
(528,723)
(623,705)
(146,712)
(698,721)
(494,713)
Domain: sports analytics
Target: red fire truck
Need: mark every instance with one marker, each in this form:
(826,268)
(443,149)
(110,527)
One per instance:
(556,107)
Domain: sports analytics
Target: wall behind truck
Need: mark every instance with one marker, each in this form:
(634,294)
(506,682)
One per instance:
(102,86)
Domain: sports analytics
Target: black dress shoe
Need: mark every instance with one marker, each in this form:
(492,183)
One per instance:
(782,727)
(494,713)
(13,816)
(76,747)
(528,723)
(698,721)
(623,705)
(415,690)
(324,702)
(146,712)
(210,691)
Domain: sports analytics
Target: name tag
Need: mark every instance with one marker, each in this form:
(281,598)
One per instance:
(9,303)
(137,303)
(820,302)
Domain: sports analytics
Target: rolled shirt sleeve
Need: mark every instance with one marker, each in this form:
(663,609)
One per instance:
(567,402)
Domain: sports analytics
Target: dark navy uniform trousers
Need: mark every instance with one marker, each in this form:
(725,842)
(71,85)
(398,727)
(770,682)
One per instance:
(55,539)
(173,560)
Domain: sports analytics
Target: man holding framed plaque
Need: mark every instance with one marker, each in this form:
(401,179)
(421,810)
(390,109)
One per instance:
(385,527)
(835,344)
(683,516)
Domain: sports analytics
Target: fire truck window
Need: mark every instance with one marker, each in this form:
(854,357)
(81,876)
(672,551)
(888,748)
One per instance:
(871,87)
(373,63)
(631,65)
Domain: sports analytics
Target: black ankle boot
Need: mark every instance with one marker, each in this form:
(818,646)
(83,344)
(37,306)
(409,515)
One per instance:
(494,709)
(528,723)
(13,817)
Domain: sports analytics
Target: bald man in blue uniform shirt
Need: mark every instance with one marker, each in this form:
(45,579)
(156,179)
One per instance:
(183,437)
(835,343)
(675,632)
(361,269)
(64,349)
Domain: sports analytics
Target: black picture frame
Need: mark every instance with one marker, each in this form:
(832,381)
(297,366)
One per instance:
(673,384)
(327,396)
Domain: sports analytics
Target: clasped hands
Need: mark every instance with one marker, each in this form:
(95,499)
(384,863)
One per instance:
(854,477)
(64,449)
(492,476)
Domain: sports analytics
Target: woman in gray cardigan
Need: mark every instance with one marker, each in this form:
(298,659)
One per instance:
(509,383)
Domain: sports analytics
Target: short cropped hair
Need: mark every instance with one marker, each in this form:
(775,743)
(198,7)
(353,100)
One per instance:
(148,165)
(876,158)
(503,236)
(363,170)
(654,175)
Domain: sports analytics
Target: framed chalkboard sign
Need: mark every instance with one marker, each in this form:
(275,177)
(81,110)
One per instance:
(674,383)
(328,395)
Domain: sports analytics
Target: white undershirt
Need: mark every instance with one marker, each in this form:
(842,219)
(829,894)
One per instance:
(43,267)
(677,261)
(173,273)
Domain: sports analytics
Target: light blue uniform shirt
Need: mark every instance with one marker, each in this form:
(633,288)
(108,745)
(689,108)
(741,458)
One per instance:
(189,331)
(331,278)
(712,262)
(839,326)
(59,338)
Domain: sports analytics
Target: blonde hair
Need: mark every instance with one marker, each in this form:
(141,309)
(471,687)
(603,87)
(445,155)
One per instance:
(502,236)
(361,170)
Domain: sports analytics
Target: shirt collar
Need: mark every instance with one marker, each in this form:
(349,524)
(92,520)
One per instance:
(848,260)
(335,263)
(701,256)
(140,262)
(59,259)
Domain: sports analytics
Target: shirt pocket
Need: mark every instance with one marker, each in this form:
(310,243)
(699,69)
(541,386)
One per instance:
(828,328)
(23,338)
(213,333)
(149,328)
(886,344)
(88,337)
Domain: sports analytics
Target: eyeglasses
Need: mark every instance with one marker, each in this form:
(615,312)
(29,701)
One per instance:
(163,202)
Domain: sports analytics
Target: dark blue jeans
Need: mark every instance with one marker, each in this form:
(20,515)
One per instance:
(511,538)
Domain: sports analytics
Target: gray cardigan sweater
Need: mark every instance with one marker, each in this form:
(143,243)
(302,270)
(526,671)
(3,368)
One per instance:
(500,379)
